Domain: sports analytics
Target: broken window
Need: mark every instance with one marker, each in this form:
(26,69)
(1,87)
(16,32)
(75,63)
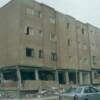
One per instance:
(53,56)
(30,11)
(46,75)
(40,32)
(27,75)
(29,52)
(39,13)
(70,58)
(62,78)
(94,60)
(29,30)
(83,31)
(52,20)
(10,75)
(67,25)
(72,77)
(40,53)
(52,37)
(97,74)
(69,42)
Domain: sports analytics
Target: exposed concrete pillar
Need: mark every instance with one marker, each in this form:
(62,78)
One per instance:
(67,77)
(89,78)
(1,77)
(86,77)
(36,74)
(56,76)
(81,77)
(19,78)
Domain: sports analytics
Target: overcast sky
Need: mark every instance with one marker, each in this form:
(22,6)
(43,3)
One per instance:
(83,10)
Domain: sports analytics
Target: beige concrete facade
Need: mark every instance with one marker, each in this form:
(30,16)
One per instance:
(46,45)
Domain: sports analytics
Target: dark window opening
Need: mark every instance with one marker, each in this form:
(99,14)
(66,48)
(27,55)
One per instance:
(83,31)
(40,54)
(62,79)
(27,31)
(29,52)
(69,42)
(40,32)
(67,25)
(53,56)
(94,60)
(52,36)
(40,14)
(11,75)
(27,75)
(72,77)
(97,74)
(46,75)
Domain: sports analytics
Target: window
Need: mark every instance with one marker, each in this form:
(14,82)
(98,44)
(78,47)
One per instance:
(85,60)
(61,76)
(10,75)
(52,37)
(69,42)
(83,31)
(29,30)
(67,25)
(84,46)
(30,11)
(70,58)
(97,74)
(52,20)
(94,60)
(40,53)
(27,75)
(46,75)
(29,52)
(53,56)
(40,14)
(40,32)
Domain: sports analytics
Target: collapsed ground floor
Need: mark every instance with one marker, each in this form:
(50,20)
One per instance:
(28,79)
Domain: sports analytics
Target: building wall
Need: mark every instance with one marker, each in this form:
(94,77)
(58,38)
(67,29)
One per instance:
(83,46)
(74,44)
(38,40)
(9,34)
(67,48)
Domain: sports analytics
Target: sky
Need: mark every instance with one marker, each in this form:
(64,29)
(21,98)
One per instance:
(83,10)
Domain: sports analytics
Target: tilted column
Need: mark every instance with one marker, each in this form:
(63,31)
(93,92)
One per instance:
(1,77)
(19,78)
(67,77)
(81,78)
(36,74)
(56,76)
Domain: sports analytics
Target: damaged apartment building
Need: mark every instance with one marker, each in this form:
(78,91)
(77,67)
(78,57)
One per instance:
(41,47)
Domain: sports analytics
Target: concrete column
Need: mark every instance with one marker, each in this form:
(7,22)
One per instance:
(36,74)
(56,76)
(67,77)
(19,78)
(89,78)
(81,77)
(1,77)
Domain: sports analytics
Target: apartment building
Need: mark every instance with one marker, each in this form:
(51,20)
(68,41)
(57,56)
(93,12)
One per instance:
(41,48)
